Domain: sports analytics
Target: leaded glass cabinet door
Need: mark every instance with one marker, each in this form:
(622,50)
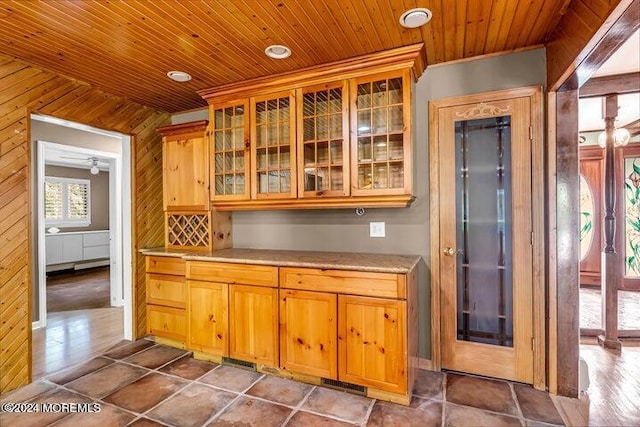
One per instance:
(273,147)
(380,134)
(486,238)
(230,151)
(323,141)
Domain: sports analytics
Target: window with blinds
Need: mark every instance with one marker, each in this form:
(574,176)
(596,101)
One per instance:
(67,202)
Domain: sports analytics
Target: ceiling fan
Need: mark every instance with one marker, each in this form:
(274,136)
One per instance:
(91,160)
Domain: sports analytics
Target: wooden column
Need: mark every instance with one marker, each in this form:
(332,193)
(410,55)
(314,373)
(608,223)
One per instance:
(567,242)
(610,260)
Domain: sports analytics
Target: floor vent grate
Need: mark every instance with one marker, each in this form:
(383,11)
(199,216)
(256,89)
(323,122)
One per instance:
(238,363)
(358,389)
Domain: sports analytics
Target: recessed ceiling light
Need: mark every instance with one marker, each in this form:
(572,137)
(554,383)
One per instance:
(179,76)
(277,51)
(413,18)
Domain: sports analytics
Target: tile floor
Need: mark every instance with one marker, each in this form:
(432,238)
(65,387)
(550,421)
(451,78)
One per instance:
(145,384)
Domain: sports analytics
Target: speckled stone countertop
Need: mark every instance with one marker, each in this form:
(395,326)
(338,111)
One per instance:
(381,263)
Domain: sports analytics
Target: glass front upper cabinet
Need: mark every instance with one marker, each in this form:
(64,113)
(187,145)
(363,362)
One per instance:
(323,141)
(381,143)
(273,146)
(230,148)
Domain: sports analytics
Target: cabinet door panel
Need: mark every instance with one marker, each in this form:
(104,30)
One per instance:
(381,159)
(229,163)
(53,248)
(372,349)
(273,148)
(323,140)
(185,172)
(253,313)
(308,334)
(208,317)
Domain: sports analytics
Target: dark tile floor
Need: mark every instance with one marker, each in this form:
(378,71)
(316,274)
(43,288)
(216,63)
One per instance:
(145,384)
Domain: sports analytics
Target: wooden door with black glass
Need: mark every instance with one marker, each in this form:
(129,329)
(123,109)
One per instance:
(486,236)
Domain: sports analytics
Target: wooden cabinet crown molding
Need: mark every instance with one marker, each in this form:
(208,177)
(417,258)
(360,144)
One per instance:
(407,57)
(183,128)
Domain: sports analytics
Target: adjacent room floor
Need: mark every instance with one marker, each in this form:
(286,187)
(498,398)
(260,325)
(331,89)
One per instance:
(78,290)
(81,324)
(591,309)
(75,336)
(614,392)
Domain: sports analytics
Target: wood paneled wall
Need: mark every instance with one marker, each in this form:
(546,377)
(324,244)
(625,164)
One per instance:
(570,42)
(25,89)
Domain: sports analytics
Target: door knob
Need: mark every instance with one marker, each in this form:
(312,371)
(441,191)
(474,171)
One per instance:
(449,251)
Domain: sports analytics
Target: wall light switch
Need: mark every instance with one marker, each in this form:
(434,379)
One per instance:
(376,229)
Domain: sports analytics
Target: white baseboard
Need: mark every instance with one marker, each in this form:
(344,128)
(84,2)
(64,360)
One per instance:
(36,325)
(78,265)
(118,303)
(91,264)
(59,267)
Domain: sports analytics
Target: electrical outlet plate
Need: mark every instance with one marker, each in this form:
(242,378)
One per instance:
(376,229)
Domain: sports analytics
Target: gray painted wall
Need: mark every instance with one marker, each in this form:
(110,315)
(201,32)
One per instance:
(50,132)
(407,229)
(190,116)
(99,195)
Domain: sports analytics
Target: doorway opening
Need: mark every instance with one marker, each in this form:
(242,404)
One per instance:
(616,70)
(82,299)
(599,290)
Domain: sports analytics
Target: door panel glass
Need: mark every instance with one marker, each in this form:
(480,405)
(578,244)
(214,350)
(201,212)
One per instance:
(632,213)
(586,217)
(483,231)
(228,150)
(380,130)
(273,131)
(323,138)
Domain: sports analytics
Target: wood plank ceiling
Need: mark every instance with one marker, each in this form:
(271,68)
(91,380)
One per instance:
(127,47)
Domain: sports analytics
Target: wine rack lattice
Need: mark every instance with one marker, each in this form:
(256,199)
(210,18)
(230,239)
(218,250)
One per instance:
(188,230)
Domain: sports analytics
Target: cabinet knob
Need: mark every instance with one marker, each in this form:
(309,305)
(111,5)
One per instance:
(449,251)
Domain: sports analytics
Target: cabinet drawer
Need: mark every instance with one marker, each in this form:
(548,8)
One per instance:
(165,265)
(166,322)
(386,285)
(95,239)
(95,252)
(170,291)
(246,274)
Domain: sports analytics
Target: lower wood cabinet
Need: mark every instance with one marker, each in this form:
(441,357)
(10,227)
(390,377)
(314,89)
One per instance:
(308,332)
(253,324)
(233,310)
(372,342)
(208,317)
(350,326)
